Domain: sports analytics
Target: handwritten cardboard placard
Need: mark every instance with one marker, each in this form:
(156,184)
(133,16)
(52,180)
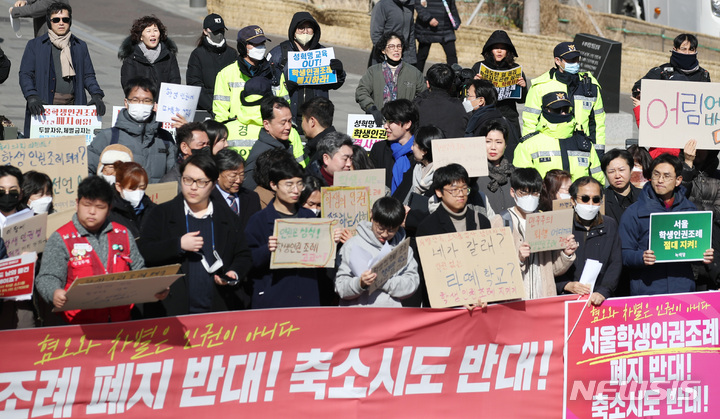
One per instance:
(364,131)
(469,152)
(671,113)
(117,289)
(311,67)
(548,230)
(57,220)
(680,236)
(560,204)
(374,179)
(17,275)
(65,120)
(162,192)
(461,268)
(304,243)
(390,265)
(64,159)
(177,98)
(26,236)
(349,205)
(505,81)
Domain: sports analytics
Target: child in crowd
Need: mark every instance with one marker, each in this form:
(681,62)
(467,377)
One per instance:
(352,283)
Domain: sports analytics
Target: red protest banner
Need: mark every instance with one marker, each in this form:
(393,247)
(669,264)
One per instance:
(17,276)
(503,362)
(643,357)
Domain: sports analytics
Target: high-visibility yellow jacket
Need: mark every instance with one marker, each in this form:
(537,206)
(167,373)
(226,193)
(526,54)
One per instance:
(587,105)
(559,146)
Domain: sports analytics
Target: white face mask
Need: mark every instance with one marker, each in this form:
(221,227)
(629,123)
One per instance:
(133,197)
(564,195)
(315,210)
(215,266)
(41,205)
(110,179)
(586,211)
(257,53)
(467,105)
(527,203)
(139,111)
(304,38)
(572,68)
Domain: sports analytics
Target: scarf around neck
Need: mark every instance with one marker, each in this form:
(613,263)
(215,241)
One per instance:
(151,54)
(402,163)
(422,178)
(390,90)
(500,174)
(63,43)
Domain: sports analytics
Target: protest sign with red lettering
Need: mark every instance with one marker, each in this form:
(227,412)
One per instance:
(17,276)
(364,131)
(643,357)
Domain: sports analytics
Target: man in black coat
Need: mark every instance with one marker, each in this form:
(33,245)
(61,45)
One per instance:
(317,122)
(436,105)
(437,21)
(241,201)
(211,55)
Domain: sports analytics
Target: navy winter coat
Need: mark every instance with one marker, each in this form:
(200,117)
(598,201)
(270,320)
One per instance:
(660,278)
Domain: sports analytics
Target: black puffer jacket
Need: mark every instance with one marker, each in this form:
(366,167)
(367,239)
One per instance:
(435,9)
(164,69)
(204,64)
(122,212)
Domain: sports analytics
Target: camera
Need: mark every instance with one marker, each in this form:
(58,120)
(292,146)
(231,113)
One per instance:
(463,79)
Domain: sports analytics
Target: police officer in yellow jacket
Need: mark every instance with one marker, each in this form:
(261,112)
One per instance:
(556,144)
(581,87)
(231,80)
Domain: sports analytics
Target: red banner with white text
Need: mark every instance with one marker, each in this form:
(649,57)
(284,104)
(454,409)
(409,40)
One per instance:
(505,361)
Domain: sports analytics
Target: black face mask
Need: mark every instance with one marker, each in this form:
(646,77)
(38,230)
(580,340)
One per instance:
(393,62)
(556,118)
(9,201)
(684,61)
(205,150)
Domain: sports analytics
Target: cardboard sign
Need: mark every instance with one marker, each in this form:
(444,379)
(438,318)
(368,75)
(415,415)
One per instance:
(64,159)
(505,81)
(680,236)
(349,205)
(363,130)
(62,121)
(26,236)
(469,152)
(57,220)
(177,98)
(548,230)
(311,67)
(461,268)
(390,265)
(17,276)
(162,192)
(118,289)
(304,243)
(374,179)
(673,112)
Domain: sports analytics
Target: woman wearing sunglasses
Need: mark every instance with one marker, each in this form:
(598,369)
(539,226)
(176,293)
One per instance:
(599,241)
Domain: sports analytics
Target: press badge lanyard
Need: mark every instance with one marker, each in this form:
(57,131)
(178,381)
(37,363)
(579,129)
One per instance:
(218,261)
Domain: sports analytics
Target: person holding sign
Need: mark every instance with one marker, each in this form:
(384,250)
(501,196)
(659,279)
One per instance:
(303,35)
(201,233)
(539,269)
(389,80)
(355,276)
(587,107)
(148,52)
(600,243)
(56,68)
(280,287)
(499,55)
(556,144)
(88,245)
(664,193)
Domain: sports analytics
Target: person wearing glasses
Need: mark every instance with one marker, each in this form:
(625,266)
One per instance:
(274,288)
(538,269)
(664,193)
(585,90)
(201,233)
(56,68)
(137,129)
(556,144)
(191,139)
(35,9)
(481,105)
(391,79)
(243,202)
(600,241)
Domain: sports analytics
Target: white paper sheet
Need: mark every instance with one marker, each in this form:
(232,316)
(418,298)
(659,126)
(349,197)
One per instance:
(590,273)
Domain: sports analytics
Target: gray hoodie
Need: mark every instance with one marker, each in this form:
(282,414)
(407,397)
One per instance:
(347,282)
